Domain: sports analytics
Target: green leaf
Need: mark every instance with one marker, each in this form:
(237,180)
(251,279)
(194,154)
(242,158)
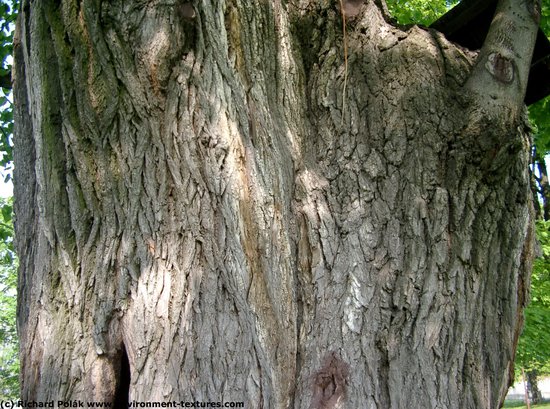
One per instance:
(534,344)
(421,12)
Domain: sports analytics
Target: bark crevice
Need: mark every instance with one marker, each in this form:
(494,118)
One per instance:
(121,398)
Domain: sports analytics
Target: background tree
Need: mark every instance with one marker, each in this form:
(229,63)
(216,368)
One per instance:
(9,358)
(215,201)
(533,353)
(540,117)
(539,114)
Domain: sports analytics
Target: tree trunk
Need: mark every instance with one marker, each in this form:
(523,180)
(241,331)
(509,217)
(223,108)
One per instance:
(533,385)
(542,186)
(218,201)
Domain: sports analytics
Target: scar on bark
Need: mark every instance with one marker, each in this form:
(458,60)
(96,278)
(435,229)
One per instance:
(186,11)
(500,67)
(330,383)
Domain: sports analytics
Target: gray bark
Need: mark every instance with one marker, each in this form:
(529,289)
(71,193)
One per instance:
(214,189)
(533,387)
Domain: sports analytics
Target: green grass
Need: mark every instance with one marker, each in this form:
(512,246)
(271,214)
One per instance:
(521,405)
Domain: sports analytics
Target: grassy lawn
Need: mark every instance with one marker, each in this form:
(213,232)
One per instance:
(521,405)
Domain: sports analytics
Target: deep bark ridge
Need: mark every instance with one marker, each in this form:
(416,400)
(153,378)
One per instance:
(203,213)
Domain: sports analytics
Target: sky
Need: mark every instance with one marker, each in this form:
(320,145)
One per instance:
(6,189)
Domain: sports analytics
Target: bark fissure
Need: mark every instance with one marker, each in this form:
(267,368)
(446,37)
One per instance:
(124,380)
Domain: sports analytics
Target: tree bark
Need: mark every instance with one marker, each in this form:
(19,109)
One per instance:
(542,186)
(533,385)
(212,192)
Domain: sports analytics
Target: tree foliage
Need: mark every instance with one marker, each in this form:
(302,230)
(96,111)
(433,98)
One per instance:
(539,114)
(8,13)
(422,12)
(9,360)
(534,345)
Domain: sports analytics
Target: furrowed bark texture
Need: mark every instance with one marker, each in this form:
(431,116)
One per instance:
(210,189)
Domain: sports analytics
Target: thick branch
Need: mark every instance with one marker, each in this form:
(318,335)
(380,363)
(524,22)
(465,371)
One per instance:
(502,68)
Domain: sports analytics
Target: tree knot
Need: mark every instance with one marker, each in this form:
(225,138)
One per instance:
(500,67)
(186,10)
